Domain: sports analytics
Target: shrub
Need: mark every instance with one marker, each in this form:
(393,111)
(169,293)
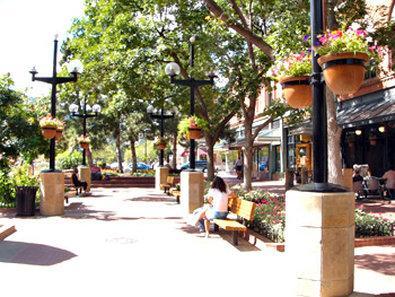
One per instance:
(367,225)
(22,178)
(269,218)
(67,160)
(7,190)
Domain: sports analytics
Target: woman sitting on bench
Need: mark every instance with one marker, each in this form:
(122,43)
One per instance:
(77,183)
(217,197)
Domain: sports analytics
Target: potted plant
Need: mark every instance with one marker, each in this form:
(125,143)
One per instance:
(192,127)
(48,126)
(293,72)
(84,141)
(26,189)
(59,130)
(344,54)
(160,143)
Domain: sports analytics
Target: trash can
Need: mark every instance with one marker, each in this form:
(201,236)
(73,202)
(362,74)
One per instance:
(26,201)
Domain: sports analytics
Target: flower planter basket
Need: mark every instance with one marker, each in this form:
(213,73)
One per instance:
(84,145)
(297,91)
(161,146)
(48,132)
(344,72)
(58,135)
(195,133)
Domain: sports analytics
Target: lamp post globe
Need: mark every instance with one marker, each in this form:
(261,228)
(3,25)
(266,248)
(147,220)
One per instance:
(172,69)
(96,108)
(75,66)
(150,109)
(73,108)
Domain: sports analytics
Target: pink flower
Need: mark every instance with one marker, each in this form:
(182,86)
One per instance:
(323,39)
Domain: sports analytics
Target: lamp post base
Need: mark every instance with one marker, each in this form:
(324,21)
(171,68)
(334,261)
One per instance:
(319,242)
(52,194)
(161,174)
(192,190)
(84,173)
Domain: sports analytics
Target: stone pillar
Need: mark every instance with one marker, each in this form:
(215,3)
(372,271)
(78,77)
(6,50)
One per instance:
(52,193)
(84,173)
(347,178)
(319,242)
(192,190)
(161,174)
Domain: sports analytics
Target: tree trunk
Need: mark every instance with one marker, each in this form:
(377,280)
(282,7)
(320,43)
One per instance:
(134,155)
(174,161)
(118,149)
(334,141)
(210,158)
(248,155)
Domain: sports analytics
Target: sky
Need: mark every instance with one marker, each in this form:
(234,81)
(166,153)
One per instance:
(27,31)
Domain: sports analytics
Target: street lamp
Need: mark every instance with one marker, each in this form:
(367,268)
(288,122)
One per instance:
(161,116)
(85,114)
(74,68)
(173,69)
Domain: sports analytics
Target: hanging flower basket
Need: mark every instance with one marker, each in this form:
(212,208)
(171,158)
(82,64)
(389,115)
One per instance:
(84,145)
(48,132)
(297,91)
(161,146)
(344,72)
(58,135)
(195,133)
(84,142)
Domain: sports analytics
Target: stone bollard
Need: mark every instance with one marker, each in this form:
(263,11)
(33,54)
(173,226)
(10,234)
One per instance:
(192,190)
(84,173)
(347,178)
(161,174)
(52,193)
(319,242)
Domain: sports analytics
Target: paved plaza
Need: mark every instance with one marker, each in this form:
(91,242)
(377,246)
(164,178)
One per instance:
(135,242)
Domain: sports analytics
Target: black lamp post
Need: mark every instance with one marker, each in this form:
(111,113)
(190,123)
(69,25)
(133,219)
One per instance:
(84,115)
(173,69)
(319,115)
(54,81)
(161,116)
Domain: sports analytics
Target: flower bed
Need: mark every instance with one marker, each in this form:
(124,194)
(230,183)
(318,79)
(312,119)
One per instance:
(269,219)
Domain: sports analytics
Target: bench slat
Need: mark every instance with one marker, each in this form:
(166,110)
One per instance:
(230,225)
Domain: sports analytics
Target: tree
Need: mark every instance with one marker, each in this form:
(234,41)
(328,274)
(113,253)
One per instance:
(19,129)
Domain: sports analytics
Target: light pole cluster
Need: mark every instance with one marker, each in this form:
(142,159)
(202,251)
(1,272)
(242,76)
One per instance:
(87,112)
(161,115)
(74,69)
(173,69)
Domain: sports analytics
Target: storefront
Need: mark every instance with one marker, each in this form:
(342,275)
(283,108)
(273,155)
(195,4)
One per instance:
(368,123)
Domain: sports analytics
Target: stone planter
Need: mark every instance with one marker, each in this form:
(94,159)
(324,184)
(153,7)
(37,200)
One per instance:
(48,132)
(344,72)
(195,133)
(297,91)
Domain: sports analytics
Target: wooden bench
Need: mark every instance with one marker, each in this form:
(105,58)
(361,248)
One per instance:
(244,210)
(169,183)
(176,194)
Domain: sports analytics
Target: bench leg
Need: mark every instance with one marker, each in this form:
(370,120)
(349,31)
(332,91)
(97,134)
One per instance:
(178,199)
(216,228)
(235,237)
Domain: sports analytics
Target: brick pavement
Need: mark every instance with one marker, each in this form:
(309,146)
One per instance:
(134,242)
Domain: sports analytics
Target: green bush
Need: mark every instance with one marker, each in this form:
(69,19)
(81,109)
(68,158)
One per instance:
(7,190)
(22,178)
(67,160)
(269,217)
(367,225)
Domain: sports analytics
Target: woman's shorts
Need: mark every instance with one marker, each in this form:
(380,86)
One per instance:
(213,214)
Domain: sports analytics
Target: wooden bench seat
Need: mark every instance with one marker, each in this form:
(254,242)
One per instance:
(169,183)
(245,212)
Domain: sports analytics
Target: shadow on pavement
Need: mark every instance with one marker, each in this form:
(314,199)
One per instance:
(152,199)
(243,246)
(32,253)
(381,263)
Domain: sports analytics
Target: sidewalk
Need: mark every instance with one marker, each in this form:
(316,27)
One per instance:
(135,242)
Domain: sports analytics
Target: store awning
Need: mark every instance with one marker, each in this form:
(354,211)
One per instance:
(368,109)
